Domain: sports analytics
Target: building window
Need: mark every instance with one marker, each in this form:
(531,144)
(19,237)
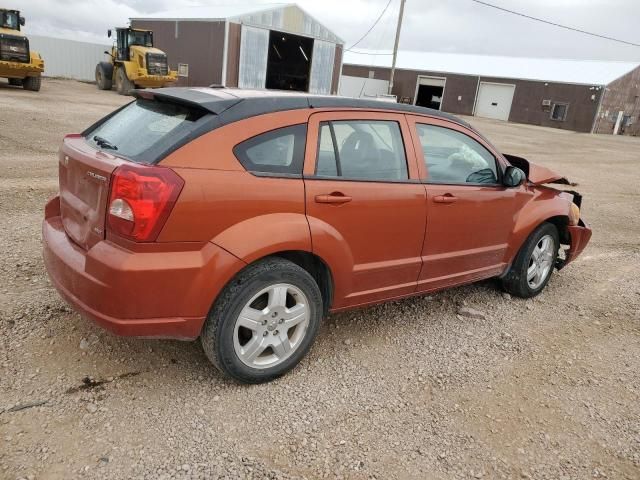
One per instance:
(559,111)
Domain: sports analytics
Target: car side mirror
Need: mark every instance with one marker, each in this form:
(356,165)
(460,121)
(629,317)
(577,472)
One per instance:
(513,177)
(109,33)
(21,20)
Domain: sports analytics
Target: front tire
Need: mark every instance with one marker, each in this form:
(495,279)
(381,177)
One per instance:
(534,263)
(263,322)
(32,83)
(123,84)
(16,82)
(104,76)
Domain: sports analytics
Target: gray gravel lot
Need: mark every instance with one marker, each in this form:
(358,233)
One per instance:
(542,389)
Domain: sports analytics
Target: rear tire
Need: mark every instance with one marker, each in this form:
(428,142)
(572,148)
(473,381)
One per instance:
(32,83)
(534,263)
(104,76)
(263,322)
(123,84)
(16,82)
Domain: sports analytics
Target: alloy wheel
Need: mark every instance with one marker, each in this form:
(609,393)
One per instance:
(271,326)
(541,262)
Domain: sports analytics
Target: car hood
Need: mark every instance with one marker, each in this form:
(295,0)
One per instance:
(537,174)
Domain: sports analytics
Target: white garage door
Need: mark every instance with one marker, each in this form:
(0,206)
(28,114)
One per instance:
(494,100)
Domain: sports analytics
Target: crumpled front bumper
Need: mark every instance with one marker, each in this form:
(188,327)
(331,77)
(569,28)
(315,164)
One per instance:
(580,235)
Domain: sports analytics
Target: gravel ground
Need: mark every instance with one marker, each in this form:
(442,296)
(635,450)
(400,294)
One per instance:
(542,389)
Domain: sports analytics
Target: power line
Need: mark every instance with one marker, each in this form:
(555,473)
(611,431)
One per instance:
(372,27)
(556,24)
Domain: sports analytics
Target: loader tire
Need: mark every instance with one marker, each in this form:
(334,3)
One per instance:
(104,76)
(123,84)
(32,83)
(16,82)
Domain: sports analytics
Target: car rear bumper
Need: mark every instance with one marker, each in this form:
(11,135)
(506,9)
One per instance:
(580,235)
(160,294)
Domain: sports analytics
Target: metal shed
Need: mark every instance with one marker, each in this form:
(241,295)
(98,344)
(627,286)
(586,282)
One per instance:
(578,95)
(248,46)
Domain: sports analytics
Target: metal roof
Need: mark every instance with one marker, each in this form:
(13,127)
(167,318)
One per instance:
(215,12)
(583,72)
(271,15)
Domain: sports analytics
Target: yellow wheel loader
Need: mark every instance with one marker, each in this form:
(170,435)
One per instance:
(18,63)
(135,63)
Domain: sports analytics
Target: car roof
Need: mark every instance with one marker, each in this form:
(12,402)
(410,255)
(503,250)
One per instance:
(233,104)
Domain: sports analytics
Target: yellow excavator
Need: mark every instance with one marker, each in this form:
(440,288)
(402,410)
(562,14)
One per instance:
(18,63)
(135,63)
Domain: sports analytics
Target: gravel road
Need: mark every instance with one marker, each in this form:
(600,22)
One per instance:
(541,389)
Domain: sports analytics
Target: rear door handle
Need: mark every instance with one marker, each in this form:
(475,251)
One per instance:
(446,198)
(335,198)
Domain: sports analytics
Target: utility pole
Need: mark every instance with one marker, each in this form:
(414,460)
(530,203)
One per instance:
(395,46)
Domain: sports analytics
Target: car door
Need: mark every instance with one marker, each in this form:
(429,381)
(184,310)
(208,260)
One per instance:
(365,204)
(470,214)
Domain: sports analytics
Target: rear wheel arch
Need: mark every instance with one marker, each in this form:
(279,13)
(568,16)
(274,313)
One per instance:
(317,268)
(308,261)
(258,237)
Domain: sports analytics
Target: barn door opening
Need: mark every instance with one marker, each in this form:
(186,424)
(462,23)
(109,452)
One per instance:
(289,61)
(429,92)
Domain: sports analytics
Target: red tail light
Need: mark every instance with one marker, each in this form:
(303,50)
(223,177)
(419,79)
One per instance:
(140,201)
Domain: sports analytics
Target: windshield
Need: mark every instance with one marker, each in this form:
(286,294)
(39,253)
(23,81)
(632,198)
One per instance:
(9,20)
(145,129)
(140,38)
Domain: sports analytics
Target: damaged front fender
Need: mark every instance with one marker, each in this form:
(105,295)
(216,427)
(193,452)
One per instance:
(536,174)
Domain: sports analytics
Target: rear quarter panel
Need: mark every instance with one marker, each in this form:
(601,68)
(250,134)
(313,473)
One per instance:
(250,216)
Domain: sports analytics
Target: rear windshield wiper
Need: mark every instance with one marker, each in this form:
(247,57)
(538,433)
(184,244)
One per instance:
(104,143)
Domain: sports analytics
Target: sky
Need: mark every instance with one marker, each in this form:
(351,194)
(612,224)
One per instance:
(456,26)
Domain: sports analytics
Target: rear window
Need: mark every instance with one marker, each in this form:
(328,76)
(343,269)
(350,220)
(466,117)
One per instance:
(278,151)
(146,130)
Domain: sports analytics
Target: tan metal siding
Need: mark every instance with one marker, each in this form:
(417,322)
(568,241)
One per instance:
(622,94)
(337,63)
(527,101)
(200,44)
(233,54)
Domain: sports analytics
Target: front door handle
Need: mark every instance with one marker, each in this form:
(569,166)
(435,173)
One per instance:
(446,198)
(335,198)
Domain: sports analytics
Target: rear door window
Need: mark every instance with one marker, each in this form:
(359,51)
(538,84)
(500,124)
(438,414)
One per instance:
(145,129)
(362,150)
(453,157)
(279,151)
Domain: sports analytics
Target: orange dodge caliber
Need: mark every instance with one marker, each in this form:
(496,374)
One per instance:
(245,217)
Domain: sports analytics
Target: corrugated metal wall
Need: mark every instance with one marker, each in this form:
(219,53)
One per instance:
(199,44)
(322,67)
(291,19)
(254,50)
(68,58)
